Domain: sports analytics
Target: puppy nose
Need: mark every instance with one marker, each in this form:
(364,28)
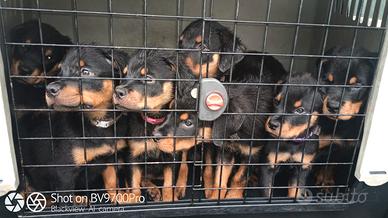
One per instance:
(333,106)
(53,89)
(121,92)
(273,124)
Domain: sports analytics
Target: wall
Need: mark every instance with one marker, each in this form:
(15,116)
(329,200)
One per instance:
(129,30)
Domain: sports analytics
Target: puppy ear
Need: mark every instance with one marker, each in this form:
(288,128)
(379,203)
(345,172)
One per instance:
(226,60)
(119,60)
(66,40)
(171,63)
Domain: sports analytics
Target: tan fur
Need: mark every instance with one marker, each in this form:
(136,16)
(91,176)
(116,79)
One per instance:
(290,131)
(184,116)
(292,190)
(181,183)
(136,180)
(298,104)
(48,52)
(207,69)
(226,171)
(198,39)
(125,70)
(330,77)
(307,158)
(136,101)
(238,184)
(92,153)
(244,149)
(208,175)
(325,140)
(167,144)
(167,190)
(100,100)
(353,80)
(138,147)
(110,181)
(15,67)
(82,63)
(279,97)
(347,107)
(280,157)
(143,71)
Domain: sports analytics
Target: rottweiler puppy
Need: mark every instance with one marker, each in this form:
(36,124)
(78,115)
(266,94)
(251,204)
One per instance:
(34,62)
(298,131)
(218,38)
(85,91)
(243,69)
(341,125)
(181,132)
(149,85)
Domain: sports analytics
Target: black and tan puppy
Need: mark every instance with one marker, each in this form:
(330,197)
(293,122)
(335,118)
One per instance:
(245,69)
(149,87)
(84,91)
(218,39)
(354,98)
(33,62)
(342,105)
(298,130)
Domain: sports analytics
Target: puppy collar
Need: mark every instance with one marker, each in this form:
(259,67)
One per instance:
(316,130)
(105,123)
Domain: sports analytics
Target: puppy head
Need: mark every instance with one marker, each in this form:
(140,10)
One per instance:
(217,38)
(298,104)
(27,60)
(147,86)
(86,90)
(184,125)
(334,72)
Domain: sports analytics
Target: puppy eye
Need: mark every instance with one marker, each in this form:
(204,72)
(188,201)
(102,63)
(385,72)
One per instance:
(88,106)
(150,79)
(300,110)
(188,123)
(86,72)
(276,102)
(48,57)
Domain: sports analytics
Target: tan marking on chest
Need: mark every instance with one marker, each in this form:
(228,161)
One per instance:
(281,157)
(245,150)
(139,147)
(92,153)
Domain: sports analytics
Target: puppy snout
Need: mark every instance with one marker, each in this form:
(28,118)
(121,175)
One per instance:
(273,124)
(121,92)
(53,89)
(333,106)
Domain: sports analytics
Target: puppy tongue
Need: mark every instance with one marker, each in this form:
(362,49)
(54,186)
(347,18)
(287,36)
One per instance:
(152,120)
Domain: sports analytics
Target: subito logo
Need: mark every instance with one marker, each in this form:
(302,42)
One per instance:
(14,202)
